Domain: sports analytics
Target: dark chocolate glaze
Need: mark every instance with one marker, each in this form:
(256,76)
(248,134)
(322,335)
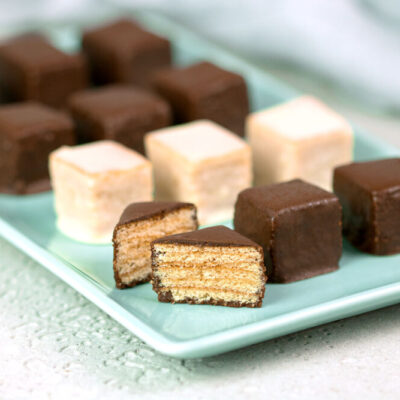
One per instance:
(214,236)
(150,209)
(118,112)
(138,212)
(123,52)
(120,285)
(370,196)
(297,224)
(217,236)
(167,297)
(32,69)
(205,91)
(29,132)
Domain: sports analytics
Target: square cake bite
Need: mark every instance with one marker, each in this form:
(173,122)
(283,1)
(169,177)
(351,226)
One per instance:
(214,266)
(118,112)
(205,91)
(93,183)
(29,132)
(302,138)
(370,196)
(297,224)
(32,69)
(202,163)
(139,225)
(124,52)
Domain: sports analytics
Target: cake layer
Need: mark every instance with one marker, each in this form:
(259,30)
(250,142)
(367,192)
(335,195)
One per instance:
(193,255)
(213,274)
(220,280)
(133,259)
(218,268)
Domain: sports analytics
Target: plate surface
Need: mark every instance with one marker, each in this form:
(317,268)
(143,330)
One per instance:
(362,283)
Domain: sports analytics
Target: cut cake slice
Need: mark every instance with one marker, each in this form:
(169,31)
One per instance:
(215,266)
(139,225)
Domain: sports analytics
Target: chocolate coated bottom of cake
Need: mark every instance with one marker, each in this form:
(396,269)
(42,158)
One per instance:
(120,285)
(167,297)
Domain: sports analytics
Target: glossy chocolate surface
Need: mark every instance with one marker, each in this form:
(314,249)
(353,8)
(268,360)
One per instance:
(123,52)
(205,91)
(32,69)
(370,197)
(29,132)
(214,236)
(297,224)
(118,112)
(150,209)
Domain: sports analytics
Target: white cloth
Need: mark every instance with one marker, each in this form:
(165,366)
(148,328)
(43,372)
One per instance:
(353,43)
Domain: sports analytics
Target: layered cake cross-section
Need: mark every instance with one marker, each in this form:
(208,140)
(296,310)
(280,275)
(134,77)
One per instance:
(139,225)
(216,266)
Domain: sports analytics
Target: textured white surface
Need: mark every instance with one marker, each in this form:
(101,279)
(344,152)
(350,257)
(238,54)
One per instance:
(55,344)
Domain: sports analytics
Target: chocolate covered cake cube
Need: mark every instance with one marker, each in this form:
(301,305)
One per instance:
(202,163)
(302,138)
(32,69)
(29,132)
(205,91)
(93,183)
(370,196)
(216,266)
(124,52)
(118,112)
(139,225)
(297,224)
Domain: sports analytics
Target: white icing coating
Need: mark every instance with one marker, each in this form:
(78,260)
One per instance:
(99,157)
(199,140)
(302,118)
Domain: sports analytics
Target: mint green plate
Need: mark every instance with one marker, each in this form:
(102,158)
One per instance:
(362,283)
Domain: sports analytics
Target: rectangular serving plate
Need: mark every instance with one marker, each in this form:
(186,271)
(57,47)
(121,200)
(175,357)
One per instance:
(363,282)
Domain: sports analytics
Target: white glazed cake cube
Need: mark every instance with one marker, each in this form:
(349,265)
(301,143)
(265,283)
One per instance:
(202,163)
(302,138)
(93,183)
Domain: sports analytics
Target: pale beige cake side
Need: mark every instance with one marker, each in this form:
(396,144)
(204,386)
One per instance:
(203,163)
(132,260)
(208,274)
(93,183)
(302,138)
